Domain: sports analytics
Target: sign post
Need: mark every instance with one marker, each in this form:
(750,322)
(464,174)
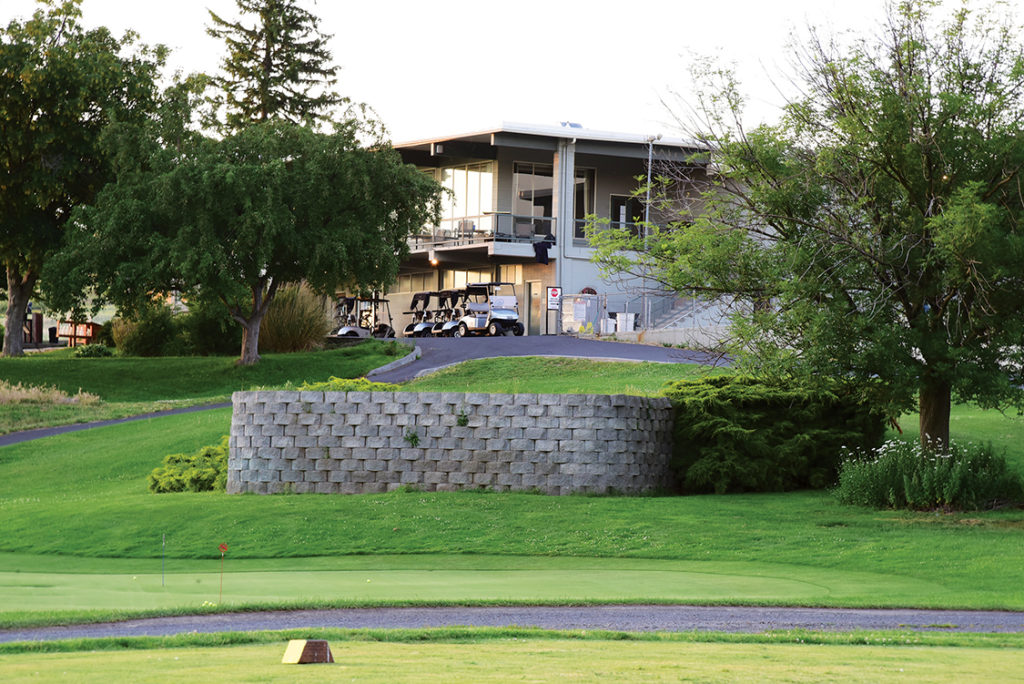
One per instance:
(554,304)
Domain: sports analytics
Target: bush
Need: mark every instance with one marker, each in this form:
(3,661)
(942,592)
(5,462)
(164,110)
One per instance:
(206,470)
(741,434)
(348,385)
(92,351)
(208,330)
(152,332)
(904,475)
(104,336)
(295,321)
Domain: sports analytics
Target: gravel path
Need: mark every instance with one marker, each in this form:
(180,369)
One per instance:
(613,617)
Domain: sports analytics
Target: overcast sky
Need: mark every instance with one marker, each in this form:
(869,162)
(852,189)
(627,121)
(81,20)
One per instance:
(453,66)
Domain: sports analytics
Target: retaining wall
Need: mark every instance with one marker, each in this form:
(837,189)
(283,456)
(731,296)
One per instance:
(362,442)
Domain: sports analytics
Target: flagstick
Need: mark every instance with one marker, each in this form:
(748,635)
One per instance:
(163,559)
(220,599)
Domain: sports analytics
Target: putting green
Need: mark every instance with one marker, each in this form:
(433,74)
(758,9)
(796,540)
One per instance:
(33,583)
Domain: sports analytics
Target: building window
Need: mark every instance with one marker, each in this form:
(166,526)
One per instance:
(534,190)
(626,211)
(584,204)
(467,209)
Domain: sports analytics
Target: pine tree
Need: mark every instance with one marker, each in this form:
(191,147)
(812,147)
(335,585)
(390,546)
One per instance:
(278,68)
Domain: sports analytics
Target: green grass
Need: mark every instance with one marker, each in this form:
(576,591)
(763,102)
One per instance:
(83,496)
(130,386)
(82,534)
(556,376)
(495,655)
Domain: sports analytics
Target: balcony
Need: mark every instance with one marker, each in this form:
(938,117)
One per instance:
(494,227)
(579,237)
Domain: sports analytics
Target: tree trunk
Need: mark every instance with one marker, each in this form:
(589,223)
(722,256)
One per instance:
(19,290)
(933,403)
(250,341)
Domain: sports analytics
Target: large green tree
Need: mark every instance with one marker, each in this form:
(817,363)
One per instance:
(231,219)
(277,64)
(875,233)
(60,85)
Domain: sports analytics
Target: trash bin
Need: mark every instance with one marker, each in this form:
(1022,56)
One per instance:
(51,334)
(625,321)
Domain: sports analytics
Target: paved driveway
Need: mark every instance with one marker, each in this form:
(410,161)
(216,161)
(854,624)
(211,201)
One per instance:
(444,351)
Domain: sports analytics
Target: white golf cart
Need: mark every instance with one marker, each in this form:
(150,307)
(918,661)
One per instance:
(490,309)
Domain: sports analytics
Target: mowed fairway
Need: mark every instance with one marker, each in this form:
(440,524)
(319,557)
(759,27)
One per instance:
(432,579)
(544,660)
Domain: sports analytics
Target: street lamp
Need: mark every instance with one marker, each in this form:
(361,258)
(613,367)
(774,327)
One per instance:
(645,320)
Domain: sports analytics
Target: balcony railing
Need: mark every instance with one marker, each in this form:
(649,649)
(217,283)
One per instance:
(579,236)
(496,227)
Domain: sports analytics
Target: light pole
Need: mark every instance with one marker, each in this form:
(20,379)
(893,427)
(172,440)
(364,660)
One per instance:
(645,319)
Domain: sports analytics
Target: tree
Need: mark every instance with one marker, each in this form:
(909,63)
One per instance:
(875,233)
(277,68)
(59,86)
(230,220)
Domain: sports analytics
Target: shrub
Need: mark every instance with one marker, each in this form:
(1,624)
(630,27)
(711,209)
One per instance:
(742,434)
(92,351)
(208,329)
(153,331)
(104,336)
(206,470)
(348,385)
(295,321)
(905,475)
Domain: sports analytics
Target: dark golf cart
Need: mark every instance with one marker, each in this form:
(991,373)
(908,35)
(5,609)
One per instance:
(362,317)
(447,314)
(490,309)
(422,317)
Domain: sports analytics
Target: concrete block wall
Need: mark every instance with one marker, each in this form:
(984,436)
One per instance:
(363,442)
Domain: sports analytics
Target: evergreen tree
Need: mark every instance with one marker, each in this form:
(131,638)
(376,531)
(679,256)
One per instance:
(279,67)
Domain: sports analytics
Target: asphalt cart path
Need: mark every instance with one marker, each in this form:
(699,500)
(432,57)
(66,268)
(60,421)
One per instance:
(439,352)
(619,618)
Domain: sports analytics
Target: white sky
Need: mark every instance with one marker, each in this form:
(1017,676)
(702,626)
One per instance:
(455,66)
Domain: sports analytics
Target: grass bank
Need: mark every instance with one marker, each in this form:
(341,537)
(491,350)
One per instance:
(132,386)
(75,513)
(83,495)
(557,376)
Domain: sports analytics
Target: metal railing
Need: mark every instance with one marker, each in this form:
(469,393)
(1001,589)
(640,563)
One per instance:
(497,227)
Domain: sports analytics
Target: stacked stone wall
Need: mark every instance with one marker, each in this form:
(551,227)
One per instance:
(363,442)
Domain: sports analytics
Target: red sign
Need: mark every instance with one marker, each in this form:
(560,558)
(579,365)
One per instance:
(223,548)
(554,298)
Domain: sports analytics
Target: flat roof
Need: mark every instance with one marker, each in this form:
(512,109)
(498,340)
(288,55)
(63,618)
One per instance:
(565,131)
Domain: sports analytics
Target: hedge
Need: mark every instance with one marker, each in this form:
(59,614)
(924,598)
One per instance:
(742,434)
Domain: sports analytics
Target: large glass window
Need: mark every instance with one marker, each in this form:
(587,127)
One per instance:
(467,210)
(534,190)
(584,204)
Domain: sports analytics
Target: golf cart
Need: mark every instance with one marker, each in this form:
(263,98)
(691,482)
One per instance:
(422,322)
(491,309)
(447,314)
(362,317)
